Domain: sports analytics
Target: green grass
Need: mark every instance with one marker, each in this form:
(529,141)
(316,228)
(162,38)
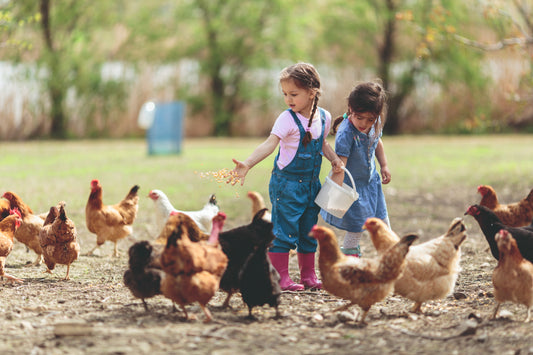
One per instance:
(43,173)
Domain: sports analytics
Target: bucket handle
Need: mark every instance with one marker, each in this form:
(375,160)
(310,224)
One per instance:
(354,191)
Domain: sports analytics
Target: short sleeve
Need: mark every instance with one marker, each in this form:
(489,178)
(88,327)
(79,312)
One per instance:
(283,125)
(344,140)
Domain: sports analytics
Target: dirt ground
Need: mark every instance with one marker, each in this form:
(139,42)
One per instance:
(94,313)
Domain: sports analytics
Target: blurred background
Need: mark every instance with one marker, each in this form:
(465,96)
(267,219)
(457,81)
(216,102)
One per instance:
(84,68)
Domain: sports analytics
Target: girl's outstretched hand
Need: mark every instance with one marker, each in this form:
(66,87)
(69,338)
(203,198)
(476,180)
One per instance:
(240,172)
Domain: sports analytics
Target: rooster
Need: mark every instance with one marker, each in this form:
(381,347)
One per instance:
(203,218)
(517,214)
(28,232)
(192,270)
(362,281)
(490,224)
(110,222)
(58,240)
(8,226)
(431,268)
(513,276)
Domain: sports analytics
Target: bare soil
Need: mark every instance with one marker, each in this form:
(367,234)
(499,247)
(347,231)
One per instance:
(94,313)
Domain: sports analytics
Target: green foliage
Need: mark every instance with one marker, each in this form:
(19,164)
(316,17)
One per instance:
(232,38)
(72,56)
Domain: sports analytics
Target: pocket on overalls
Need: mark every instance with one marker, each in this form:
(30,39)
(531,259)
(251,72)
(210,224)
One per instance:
(305,156)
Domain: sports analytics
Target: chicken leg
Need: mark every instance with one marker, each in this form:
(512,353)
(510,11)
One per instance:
(37,261)
(208,316)
(11,278)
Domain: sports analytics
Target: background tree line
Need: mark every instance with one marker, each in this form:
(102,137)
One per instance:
(95,62)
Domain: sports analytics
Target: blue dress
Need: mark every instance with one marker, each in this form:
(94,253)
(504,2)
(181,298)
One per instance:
(293,190)
(360,148)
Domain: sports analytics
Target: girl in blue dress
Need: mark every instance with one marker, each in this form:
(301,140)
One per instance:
(358,143)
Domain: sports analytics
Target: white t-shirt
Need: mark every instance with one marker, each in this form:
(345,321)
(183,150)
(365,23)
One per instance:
(287,131)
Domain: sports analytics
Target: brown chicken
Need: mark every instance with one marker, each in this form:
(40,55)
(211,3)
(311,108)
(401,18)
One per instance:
(28,232)
(517,214)
(431,268)
(258,203)
(144,275)
(5,206)
(58,240)
(513,276)
(8,226)
(192,270)
(362,281)
(193,231)
(110,222)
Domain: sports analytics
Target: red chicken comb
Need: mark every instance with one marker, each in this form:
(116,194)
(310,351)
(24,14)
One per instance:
(173,213)
(15,211)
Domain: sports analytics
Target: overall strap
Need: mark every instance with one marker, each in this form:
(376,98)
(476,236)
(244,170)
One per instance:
(297,121)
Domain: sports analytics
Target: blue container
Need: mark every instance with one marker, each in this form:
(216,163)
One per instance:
(166,131)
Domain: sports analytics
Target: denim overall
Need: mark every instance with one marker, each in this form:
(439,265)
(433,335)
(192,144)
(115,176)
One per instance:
(293,190)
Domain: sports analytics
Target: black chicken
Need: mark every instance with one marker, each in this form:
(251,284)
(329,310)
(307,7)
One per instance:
(259,280)
(239,244)
(490,224)
(144,275)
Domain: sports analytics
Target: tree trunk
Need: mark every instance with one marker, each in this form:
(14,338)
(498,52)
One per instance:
(55,89)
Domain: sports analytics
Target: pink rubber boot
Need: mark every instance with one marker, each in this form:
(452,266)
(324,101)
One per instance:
(307,271)
(280,261)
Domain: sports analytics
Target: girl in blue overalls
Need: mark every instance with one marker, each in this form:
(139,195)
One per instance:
(358,143)
(300,132)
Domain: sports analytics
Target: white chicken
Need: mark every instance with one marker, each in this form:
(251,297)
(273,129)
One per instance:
(203,218)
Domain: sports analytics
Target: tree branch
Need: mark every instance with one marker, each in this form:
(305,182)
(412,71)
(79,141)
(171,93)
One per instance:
(506,42)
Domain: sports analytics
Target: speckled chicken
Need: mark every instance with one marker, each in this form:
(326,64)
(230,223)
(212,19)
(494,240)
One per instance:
(362,281)
(58,239)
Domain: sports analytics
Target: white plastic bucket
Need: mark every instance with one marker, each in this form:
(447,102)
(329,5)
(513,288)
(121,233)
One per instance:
(334,199)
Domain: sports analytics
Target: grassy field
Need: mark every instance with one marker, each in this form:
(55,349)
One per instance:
(43,173)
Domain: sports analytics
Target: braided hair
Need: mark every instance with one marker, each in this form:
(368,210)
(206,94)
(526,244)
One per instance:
(370,97)
(304,76)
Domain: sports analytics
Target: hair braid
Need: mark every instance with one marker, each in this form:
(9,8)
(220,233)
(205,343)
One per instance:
(308,137)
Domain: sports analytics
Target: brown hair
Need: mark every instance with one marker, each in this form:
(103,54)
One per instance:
(367,97)
(304,76)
